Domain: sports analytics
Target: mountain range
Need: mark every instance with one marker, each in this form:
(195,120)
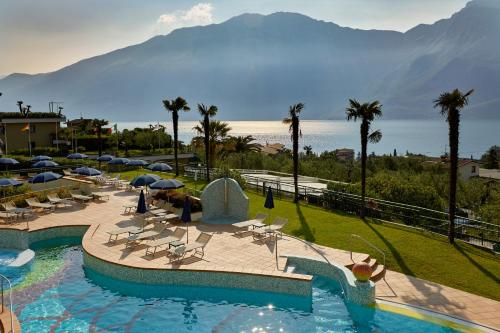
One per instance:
(254,66)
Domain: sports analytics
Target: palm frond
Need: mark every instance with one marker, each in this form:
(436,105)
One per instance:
(375,136)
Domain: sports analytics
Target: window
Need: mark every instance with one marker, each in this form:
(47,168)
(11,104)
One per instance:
(473,169)
(33,128)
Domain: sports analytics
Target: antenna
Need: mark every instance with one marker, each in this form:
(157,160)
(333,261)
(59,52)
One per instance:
(51,105)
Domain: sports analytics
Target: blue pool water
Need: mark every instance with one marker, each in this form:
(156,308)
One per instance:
(59,295)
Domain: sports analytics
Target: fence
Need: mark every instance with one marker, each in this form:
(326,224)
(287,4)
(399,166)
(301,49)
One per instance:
(476,232)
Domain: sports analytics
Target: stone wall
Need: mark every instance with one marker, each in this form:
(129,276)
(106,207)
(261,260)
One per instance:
(224,201)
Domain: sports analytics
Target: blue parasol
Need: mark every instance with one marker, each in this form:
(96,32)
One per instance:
(9,182)
(144,180)
(119,161)
(161,167)
(186,215)
(86,171)
(137,163)
(141,205)
(166,184)
(45,177)
(45,164)
(77,156)
(8,161)
(105,158)
(269,204)
(41,158)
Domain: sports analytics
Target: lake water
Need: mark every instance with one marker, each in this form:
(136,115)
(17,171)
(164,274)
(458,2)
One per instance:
(428,137)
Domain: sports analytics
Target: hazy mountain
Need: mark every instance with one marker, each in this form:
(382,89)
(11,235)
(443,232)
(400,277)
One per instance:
(254,66)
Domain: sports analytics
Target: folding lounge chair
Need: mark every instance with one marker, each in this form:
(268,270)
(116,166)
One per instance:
(8,217)
(139,224)
(135,238)
(81,198)
(178,253)
(56,200)
(257,222)
(100,196)
(177,235)
(274,228)
(12,210)
(34,203)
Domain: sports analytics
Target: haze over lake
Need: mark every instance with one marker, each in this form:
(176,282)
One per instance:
(416,136)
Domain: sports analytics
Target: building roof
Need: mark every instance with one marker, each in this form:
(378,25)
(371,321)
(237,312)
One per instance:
(32,117)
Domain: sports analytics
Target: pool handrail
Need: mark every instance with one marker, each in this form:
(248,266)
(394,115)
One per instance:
(2,278)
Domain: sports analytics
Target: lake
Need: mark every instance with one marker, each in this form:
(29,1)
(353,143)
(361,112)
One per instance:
(429,137)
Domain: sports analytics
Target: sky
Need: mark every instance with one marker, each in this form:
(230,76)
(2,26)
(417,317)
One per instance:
(42,36)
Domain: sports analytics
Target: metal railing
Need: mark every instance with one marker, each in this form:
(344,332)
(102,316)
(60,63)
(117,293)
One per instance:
(2,279)
(367,243)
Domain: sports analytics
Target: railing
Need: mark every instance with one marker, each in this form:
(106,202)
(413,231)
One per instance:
(2,279)
(367,243)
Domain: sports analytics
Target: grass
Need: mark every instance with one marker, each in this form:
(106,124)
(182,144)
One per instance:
(412,252)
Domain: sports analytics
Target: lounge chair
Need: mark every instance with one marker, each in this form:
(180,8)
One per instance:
(81,198)
(257,222)
(8,217)
(100,196)
(56,200)
(177,235)
(10,207)
(179,252)
(139,224)
(274,228)
(34,203)
(136,237)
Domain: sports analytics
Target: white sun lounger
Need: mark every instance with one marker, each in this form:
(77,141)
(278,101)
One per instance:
(179,252)
(81,198)
(177,235)
(139,224)
(257,222)
(56,200)
(275,227)
(34,203)
(135,238)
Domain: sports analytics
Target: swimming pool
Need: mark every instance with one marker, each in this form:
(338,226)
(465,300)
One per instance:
(59,295)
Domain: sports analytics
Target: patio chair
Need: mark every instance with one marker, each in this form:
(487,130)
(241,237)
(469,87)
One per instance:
(81,198)
(257,222)
(34,203)
(177,235)
(274,228)
(100,196)
(56,200)
(139,223)
(135,238)
(179,252)
(8,217)
(67,172)
(11,208)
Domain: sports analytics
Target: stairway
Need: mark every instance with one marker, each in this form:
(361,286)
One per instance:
(378,270)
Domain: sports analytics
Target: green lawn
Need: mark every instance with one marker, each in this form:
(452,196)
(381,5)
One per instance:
(416,253)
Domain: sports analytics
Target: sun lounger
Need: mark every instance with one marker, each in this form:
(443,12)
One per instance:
(11,208)
(270,230)
(35,204)
(100,195)
(135,238)
(139,224)
(56,200)
(80,197)
(179,252)
(257,222)
(8,217)
(177,235)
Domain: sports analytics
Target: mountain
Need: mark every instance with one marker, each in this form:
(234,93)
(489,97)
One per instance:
(254,66)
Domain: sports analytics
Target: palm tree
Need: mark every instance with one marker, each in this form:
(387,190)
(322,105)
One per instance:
(207,112)
(217,137)
(308,150)
(366,112)
(450,104)
(295,132)
(97,125)
(175,106)
(242,144)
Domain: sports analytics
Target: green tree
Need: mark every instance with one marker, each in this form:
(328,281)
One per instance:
(366,112)
(242,144)
(295,132)
(97,125)
(175,106)
(207,112)
(450,104)
(217,137)
(491,158)
(308,150)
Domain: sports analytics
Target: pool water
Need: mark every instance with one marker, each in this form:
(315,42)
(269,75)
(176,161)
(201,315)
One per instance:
(59,295)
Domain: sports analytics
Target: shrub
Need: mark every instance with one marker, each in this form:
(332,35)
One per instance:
(177,200)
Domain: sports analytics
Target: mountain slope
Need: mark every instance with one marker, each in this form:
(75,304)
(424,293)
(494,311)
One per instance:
(254,66)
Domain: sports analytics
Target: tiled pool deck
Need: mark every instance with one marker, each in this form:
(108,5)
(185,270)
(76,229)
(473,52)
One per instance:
(226,252)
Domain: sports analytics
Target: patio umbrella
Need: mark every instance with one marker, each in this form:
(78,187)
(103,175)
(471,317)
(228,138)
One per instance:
(166,184)
(8,182)
(41,158)
(161,167)
(141,205)
(269,204)
(144,180)
(45,177)
(119,161)
(77,156)
(7,161)
(45,164)
(137,163)
(105,158)
(186,215)
(86,171)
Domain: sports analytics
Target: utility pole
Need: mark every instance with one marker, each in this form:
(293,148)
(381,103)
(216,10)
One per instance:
(59,108)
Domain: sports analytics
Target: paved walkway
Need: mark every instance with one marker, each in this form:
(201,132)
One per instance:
(228,252)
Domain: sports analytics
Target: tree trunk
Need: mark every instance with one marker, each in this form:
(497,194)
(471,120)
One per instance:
(175,120)
(454,122)
(364,144)
(99,141)
(295,133)
(206,125)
